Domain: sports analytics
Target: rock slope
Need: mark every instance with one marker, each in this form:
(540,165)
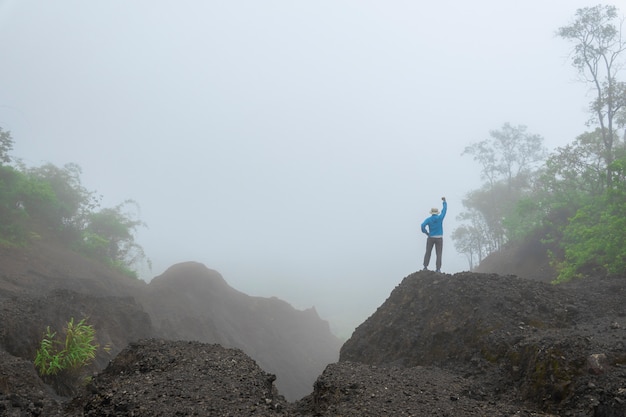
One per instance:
(467,344)
(46,285)
(555,349)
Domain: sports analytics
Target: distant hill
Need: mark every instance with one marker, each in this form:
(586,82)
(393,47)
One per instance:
(192,302)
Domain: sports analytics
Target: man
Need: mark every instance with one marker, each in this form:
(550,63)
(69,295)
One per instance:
(433,227)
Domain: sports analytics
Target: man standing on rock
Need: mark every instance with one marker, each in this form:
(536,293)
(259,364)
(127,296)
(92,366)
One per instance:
(433,227)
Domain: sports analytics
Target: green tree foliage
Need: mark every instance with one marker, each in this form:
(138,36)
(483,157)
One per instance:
(594,240)
(582,211)
(67,215)
(508,160)
(598,56)
(109,236)
(471,238)
(575,170)
(576,200)
(49,200)
(583,183)
(6,145)
(509,155)
(10,213)
(23,201)
(525,216)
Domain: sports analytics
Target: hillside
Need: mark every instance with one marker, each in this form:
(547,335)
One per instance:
(526,258)
(469,344)
(45,285)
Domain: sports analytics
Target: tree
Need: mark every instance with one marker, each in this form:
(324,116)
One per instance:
(584,216)
(574,177)
(594,240)
(524,217)
(598,56)
(485,210)
(73,202)
(109,236)
(12,214)
(9,211)
(48,200)
(510,154)
(6,145)
(508,160)
(27,205)
(471,239)
(575,171)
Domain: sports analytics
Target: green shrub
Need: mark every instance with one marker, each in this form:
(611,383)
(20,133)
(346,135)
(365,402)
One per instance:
(60,361)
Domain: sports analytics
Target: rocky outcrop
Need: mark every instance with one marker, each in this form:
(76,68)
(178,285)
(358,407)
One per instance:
(550,346)
(441,345)
(165,378)
(178,378)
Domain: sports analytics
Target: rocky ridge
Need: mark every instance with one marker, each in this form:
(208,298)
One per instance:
(467,344)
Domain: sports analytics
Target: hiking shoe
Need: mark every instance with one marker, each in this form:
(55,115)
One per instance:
(425,268)
(439,271)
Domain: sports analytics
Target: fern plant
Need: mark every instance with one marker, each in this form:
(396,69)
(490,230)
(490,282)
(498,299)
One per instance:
(76,351)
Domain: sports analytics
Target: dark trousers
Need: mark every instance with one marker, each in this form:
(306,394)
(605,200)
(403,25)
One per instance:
(437,242)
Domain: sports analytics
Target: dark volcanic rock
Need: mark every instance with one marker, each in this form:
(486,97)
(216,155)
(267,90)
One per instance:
(22,392)
(166,378)
(526,341)
(351,389)
(441,345)
(435,318)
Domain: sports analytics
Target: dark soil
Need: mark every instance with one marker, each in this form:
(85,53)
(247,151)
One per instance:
(520,343)
(467,344)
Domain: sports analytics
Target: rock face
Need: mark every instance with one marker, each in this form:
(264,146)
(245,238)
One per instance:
(441,345)
(159,378)
(46,286)
(435,319)
(557,348)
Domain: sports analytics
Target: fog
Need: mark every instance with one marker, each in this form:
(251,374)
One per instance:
(295,147)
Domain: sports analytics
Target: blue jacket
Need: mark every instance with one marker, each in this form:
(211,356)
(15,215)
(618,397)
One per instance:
(435,223)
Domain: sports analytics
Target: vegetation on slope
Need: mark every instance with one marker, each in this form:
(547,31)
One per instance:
(573,197)
(48,201)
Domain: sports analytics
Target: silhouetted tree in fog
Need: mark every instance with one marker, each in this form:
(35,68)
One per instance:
(6,145)
(508,160)
(598,55)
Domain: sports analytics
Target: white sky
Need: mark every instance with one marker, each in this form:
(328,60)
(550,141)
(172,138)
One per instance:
(293,146)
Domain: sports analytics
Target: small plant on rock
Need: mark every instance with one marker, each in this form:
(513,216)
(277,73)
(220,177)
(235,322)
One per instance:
(59,361)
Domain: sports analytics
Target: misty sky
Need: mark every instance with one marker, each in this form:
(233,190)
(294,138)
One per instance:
(293,146)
